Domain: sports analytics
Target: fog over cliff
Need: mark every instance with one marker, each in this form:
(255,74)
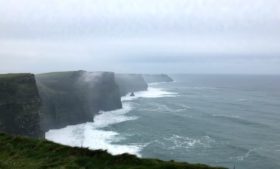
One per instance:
(147,36)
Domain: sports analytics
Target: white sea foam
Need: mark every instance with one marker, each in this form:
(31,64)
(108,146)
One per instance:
(92,135)
(246,155)
(182,142)
(177,142)
(152,92)
(105,119)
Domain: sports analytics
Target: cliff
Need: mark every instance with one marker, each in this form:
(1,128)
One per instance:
(19,105)
(74,97)
(157,78)
(67,98)
(27,153)
(130,83)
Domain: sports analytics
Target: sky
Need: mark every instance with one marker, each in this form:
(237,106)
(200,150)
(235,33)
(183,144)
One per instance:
(140,36)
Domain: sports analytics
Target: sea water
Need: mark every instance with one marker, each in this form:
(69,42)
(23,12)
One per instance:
(220,120)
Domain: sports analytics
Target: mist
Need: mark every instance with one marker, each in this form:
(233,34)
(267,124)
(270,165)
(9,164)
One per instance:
(141,36)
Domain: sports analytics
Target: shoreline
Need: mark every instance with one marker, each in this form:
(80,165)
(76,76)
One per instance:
(84,134)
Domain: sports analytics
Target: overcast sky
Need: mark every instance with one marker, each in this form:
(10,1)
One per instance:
(140,36)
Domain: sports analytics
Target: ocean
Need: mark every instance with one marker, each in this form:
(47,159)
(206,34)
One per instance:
(220,120)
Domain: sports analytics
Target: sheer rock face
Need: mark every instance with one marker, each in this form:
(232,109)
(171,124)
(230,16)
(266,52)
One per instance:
(157,78)
(19,105)
(70,98)
(63,98)
(130,83)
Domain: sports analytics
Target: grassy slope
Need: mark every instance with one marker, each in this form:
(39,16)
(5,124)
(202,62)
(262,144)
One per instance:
(13,75)
(27,153)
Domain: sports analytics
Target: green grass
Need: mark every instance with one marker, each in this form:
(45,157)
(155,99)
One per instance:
(14,75)
(27,153)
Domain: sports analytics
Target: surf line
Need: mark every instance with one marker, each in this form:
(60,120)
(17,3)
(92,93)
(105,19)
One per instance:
(93,135)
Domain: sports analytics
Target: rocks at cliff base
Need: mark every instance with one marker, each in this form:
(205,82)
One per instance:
(19,105)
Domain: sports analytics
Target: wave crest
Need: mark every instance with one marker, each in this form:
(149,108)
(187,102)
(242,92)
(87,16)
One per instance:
(92,135)
(151,92)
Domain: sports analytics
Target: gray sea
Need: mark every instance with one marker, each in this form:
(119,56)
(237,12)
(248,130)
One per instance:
(220,120)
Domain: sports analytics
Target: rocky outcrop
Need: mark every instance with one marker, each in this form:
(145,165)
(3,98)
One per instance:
(130,83)
(157,78)
(19,105)
(70,98)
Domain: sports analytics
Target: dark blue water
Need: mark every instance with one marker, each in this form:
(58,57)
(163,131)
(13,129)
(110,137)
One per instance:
(214,119)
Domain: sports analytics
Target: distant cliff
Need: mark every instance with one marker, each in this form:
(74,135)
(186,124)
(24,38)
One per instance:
(153,78)
(63,98)
(19,105)
(70,98)
(67,98)
(130,83)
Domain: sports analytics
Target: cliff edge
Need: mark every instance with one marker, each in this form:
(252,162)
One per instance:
(155,78)
(130,83)
(74,97)
(19,105)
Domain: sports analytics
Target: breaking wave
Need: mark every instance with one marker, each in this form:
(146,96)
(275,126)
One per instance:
(151,92)
(93,135)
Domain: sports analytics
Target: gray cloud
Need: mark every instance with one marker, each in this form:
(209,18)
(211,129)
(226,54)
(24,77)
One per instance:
(191,36)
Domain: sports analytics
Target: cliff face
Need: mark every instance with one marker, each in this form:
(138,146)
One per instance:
(19,105)
(70,98)
(130,83)
(67,98)
(157,78)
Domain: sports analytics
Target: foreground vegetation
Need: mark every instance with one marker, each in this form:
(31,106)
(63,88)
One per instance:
(27,153)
